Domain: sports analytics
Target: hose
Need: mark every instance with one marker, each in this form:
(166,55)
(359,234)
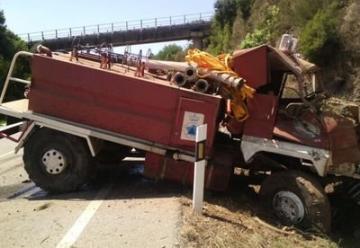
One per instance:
(218,68)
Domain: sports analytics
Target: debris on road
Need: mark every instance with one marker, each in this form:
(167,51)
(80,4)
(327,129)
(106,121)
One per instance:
(42,207)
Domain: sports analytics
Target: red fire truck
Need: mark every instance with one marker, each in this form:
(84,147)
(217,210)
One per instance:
(75,112)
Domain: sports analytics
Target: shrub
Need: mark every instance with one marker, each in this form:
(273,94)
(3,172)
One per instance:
(319,38)
(171,52)
(265,31)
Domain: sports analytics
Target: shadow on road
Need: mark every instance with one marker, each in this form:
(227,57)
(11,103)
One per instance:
(126,182)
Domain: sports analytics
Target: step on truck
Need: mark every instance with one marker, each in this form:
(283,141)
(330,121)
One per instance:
(75,112)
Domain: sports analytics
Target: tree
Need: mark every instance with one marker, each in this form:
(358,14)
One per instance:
(319,40)
(265,31)
(171,52)
(9,45)
(226,12)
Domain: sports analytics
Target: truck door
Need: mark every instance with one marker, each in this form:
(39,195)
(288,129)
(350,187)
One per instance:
(262,110)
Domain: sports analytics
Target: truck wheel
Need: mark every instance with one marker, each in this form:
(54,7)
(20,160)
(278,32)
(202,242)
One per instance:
(297,199)
(55,161)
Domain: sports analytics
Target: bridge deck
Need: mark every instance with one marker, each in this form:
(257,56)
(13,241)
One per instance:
(184,27)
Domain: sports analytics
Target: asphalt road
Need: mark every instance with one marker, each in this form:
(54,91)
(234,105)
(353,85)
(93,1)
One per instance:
(121,210)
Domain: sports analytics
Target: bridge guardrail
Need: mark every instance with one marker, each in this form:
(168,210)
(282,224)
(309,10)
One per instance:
(115,27)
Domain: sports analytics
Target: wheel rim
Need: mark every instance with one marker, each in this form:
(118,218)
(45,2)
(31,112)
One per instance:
(54,161)
(289,207)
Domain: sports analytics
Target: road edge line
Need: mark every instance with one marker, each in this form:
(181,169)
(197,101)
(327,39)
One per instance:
(75,231)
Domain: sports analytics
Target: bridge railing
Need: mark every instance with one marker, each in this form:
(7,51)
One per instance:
(116,26)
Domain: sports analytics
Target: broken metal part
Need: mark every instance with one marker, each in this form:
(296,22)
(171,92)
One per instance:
(345,169)
(319,157)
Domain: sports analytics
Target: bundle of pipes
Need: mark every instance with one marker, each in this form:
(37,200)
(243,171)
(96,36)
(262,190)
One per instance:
(208,74)
(188,75)
(190,79)
(181,73)
(232,86)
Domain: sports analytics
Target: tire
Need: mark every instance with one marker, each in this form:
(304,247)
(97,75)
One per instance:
(297,199)
(56,162)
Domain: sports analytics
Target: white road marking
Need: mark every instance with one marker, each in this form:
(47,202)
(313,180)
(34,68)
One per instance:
(75,231)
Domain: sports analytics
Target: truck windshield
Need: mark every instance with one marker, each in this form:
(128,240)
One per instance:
(292,90)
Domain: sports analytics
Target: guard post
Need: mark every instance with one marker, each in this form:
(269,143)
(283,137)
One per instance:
(199,168)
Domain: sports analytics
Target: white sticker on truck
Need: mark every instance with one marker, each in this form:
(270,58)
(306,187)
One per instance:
(190,122)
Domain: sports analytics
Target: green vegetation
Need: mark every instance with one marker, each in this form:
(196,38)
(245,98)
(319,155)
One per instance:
(9,45)
(249,23)
(319,39)
(171,52)
(226,12)
(265,31)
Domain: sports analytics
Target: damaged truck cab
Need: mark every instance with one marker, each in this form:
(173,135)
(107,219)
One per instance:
(289,116)
(291,133)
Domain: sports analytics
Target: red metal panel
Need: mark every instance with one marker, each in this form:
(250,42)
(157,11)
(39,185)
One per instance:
(235,127)
(263,110)
(298,130)
(115,102)
(192,109)
(157,167)
(343,139)
(252,65)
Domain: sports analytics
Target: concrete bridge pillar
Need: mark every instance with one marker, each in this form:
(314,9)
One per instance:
(197,39)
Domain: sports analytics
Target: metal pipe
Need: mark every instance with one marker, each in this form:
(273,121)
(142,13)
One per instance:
(12,65)
(202,86)
(180,79)
(191,73)
(227,79)
(19,80)
(166,65)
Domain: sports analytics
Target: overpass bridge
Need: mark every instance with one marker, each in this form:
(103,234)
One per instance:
(193,27)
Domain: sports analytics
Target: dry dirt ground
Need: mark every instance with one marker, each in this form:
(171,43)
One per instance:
(236,219)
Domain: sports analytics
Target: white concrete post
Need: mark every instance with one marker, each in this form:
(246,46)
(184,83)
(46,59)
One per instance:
(199,169)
